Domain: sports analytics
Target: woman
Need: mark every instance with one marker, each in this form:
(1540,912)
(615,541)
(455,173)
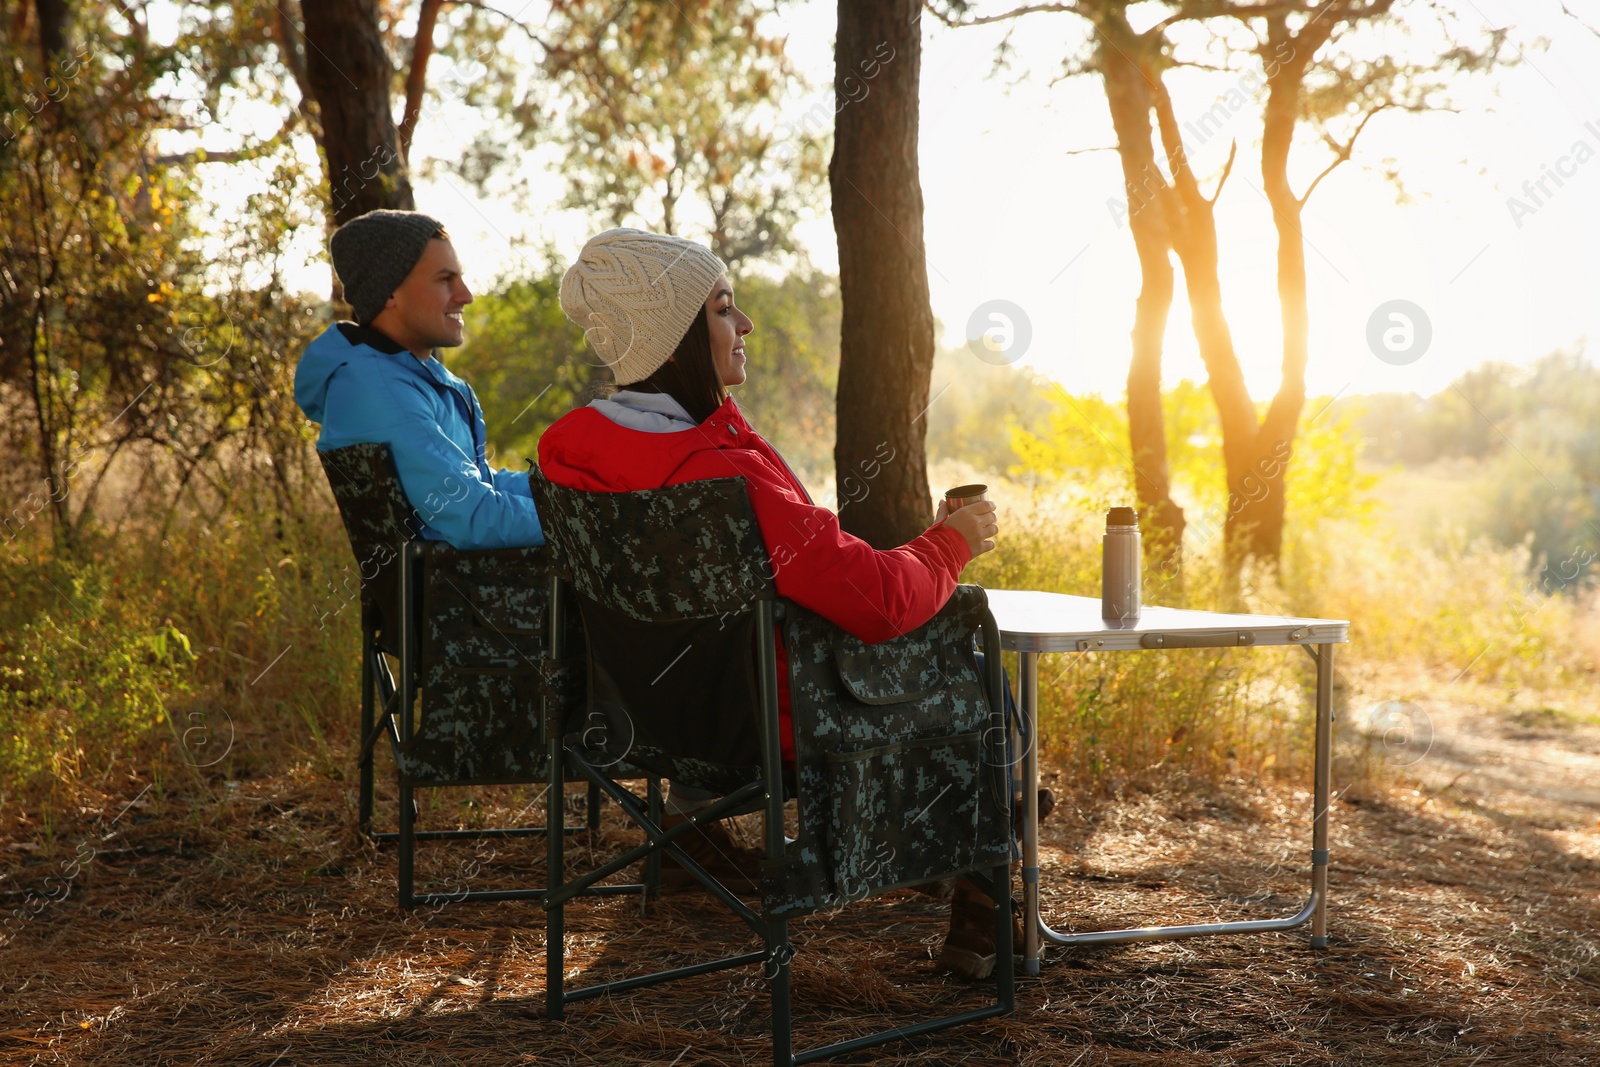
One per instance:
(660,311)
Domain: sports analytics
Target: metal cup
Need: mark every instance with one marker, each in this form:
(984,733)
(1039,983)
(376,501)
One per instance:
(962,495)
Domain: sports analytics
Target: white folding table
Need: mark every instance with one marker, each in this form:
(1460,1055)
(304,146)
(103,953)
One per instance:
(1033,622)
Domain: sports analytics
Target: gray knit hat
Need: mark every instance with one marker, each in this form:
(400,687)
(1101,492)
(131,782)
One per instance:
(373,253)
(636,294)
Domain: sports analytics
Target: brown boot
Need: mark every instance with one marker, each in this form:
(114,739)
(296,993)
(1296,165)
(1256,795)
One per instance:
(969,949)
(1047,804)
(944,888)
(938,889)
(711,846)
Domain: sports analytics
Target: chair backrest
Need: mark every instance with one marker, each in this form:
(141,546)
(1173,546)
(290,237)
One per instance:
(899,750)
(481,619)
(379,522)
(484,619)
(667,581)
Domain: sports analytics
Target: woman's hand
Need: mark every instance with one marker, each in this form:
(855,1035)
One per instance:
(978,523)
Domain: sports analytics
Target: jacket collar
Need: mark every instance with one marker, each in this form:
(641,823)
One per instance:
(725,418)
(649,412)
(370,336)
(375,339)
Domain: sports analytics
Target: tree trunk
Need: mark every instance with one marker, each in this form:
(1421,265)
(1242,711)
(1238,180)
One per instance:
(350,77)
(886,334)
(1128,95)
(1194,237)
(54,18)
(1261,516)
(55,21)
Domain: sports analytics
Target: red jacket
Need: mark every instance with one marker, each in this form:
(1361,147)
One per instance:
(873,594)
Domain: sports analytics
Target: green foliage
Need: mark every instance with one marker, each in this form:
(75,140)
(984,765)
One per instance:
(1544,478)
(1463,608)
(1084,439)
(1088,436)
(1455,422)
(222,648)
(794,363)
(1083,436)
(1325,481)
(973,406)
(84,671)
(89,261)
(1532,439)
(670,115)
(525,361)
(114,352)
(529,365)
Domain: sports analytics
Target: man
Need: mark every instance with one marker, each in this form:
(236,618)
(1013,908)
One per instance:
(379,379)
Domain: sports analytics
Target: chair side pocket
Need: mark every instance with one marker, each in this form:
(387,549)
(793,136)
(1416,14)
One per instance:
(904,813)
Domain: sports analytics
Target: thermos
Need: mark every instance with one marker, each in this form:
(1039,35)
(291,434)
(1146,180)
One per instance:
(1119,567)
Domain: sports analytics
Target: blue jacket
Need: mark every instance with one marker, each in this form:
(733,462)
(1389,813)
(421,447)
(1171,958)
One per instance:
(363,387)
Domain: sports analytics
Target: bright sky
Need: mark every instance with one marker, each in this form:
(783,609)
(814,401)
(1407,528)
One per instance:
(1011,215)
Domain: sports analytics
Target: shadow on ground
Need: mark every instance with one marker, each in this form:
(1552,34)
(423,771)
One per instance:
(252,926)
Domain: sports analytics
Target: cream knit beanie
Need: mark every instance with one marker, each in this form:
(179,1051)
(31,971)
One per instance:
(636,294)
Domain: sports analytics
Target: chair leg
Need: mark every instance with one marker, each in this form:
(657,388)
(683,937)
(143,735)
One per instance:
(594,806)
(407,845)
(555,875)
(652,862)
(369,682)
(1005,953)
(779,956)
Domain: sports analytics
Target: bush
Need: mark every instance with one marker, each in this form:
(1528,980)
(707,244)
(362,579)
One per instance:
(84,674)
(1114,717)
(216,648)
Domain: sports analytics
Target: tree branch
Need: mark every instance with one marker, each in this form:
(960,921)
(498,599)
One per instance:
(1341,152)
(1574,17)
(55,18)
(1196,10)
(417,76)
(294,59)
(479,5)
(1172,141)
(234,155)
(1227,169)
(957,22)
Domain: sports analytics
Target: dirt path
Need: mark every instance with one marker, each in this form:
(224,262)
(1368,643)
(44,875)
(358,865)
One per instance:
(249,925)
(1543,764)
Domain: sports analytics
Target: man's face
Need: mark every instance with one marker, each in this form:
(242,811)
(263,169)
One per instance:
(424,313)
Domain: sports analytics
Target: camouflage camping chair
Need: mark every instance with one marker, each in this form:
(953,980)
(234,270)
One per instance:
(467,633)
(899,772)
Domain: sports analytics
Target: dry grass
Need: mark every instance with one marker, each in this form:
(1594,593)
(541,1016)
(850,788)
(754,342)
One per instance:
(251,925)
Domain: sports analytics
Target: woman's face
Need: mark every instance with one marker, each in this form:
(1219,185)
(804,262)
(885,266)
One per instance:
(729,326)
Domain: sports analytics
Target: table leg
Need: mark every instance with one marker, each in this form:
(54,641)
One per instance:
(1028,682)
(1321,797)
(1035,930)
